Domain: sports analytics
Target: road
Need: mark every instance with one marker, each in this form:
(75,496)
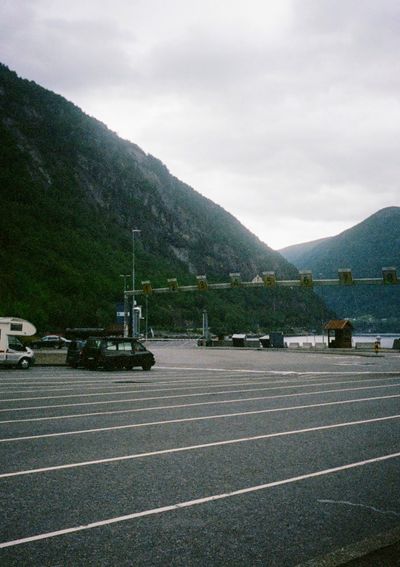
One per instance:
(215,457)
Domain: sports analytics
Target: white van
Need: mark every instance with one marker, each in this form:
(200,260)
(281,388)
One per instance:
(12,351)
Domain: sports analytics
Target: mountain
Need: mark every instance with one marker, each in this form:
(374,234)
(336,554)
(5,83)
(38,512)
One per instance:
(296,253)
(365,248)
(71,191)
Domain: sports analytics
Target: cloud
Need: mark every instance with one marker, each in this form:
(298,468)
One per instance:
(286,113)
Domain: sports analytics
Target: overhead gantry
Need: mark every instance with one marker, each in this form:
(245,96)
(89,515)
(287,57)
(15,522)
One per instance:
(269,280)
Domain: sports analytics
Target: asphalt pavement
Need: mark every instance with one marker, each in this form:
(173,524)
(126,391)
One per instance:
(215,457)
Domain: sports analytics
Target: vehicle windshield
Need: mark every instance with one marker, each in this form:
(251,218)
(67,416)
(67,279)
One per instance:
(93,343)
(14,343)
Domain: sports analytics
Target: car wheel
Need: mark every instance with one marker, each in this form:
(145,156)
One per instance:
(24,363)
(146,367)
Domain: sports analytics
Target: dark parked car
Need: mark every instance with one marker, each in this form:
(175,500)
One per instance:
(75,353)
(116,352)
(50,341)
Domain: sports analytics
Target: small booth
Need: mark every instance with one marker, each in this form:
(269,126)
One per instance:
(239,340)
(339,333)
(265,341)
(277,339)
(273,340)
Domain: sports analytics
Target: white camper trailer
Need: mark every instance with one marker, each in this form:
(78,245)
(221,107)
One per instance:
(12,351)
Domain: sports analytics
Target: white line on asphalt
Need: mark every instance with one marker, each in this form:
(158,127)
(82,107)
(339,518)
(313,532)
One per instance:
(214,402)
(197,501)
(267,373)
(55,381)
(116,382)
(193,378)
(191,419)
(133,390)
(201,446)
(106,376)
(294,385)
(121,381)
(191,368)
(282,372)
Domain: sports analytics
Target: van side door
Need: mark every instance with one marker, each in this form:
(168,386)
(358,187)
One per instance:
(14,351)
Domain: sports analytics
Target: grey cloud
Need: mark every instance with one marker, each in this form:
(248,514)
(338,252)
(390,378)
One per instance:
(292,103)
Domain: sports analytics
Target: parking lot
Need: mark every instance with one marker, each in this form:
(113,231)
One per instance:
(215,457)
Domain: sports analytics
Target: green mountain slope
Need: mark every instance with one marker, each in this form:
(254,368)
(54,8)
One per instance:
(365,248)
(71,191)
(299,253)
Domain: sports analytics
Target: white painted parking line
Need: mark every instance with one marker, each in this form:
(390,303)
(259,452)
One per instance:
(201,446)
(138,391)
(192,419)
(129,390)
(51,381)
(280,372)
(198,501)
(130,375)
(239,370)
(117,380)
(266,373)
(179,406)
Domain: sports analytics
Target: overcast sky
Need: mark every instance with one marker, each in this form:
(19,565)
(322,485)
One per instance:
(285,112)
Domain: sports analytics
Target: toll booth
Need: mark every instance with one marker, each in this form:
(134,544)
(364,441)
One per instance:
(273,340)
(277,339)
(339,333)
(265,341)
(239,340)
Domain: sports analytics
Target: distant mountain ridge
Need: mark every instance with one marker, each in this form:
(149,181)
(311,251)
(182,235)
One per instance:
(365,248)
(296,252)
(73,190)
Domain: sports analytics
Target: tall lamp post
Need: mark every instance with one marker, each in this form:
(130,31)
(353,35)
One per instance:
(134,317)
(126,325)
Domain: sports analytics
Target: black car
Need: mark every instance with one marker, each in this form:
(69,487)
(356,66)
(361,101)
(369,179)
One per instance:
(50,341)
(116,352)
(75,353)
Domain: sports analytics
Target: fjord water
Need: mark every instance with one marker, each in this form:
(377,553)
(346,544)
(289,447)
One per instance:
(386,339)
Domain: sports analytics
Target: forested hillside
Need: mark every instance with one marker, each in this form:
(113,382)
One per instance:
(71,191)
(365,248)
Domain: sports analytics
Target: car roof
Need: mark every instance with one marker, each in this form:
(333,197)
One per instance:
(113,338)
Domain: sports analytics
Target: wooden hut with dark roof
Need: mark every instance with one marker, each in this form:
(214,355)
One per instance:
(339,333)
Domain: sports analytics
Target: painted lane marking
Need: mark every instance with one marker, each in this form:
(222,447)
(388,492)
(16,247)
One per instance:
(359,505)
(191,419)
(197,501)
(133,390)
(196,447)
(283,372)
(197,378)
(54,381)
(113,383)
(267,373)
(175,396)
(214,402)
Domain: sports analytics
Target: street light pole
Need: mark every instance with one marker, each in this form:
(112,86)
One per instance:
(126,326)
(134,319)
